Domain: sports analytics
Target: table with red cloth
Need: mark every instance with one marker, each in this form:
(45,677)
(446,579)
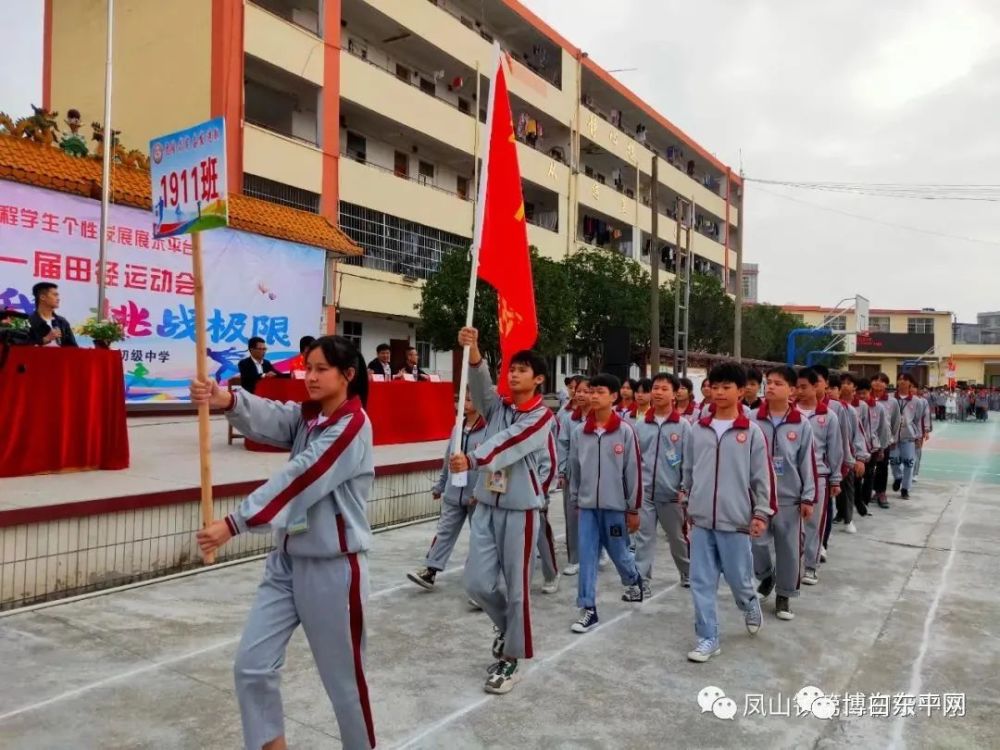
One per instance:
(63,409)
(400,411)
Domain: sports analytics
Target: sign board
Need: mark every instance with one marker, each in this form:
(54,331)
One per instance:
(254,286)
(188,170)
(895,343)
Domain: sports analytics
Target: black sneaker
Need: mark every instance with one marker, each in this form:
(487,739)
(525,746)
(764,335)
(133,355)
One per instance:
(499,641)
(586,622)
(782,608)
(883,503)
(502,677)
(904,494)
(766,587)
(896,484)
(636,593)
(424,578)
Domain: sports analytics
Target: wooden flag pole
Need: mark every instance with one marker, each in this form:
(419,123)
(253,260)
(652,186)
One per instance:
(204,426)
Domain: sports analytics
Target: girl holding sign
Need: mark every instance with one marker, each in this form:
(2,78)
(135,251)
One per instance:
(317,575)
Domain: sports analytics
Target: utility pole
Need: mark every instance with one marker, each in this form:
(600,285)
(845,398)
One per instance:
(738,318)
(109,139)
(654,273)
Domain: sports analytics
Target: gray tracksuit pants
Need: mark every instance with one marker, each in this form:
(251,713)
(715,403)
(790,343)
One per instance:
(785,534)
(572,512)
(547,547)
(671,519)
(816,523)
(498,571)
(327,596)
(449,527)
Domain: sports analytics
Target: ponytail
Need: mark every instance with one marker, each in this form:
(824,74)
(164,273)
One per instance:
(341,353)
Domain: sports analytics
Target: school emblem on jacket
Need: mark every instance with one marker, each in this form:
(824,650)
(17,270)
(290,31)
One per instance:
(619,449)
(793,436)
(675,438)
(741,437)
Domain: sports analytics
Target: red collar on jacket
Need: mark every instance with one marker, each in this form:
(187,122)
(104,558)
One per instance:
(742,422)
(822,408)
(794,416)
(479,424)
(528,405)
(577,415)
(312,409)
(569,406)
(856,402)
(675,416)
(870,401)
(884,396)
(633,409)
(689,410)
(614,421)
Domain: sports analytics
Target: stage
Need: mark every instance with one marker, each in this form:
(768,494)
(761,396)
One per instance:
(65,534)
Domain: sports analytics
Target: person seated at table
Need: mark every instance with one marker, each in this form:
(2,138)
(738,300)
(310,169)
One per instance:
(299,363)
(255,367)
(412,366)
(48,328)
(380,365)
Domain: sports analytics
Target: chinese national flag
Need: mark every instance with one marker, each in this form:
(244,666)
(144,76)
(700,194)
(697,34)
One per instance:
(504,262)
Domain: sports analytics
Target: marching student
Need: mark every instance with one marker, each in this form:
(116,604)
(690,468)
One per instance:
(581,400)
(829,449)
(730,497)
(827,392)
(643,397)
(662,434)
(684,401)
(793,462)
(317,574)
(566,410)
(926,426)
(751,392)
(890,411)
(872,428)
(505,524)
(626,407)
(457,505)
(904,453)
(859,446)
(547,466)
(606,484)
(706,394)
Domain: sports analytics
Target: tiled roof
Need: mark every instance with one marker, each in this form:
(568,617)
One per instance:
(48,167)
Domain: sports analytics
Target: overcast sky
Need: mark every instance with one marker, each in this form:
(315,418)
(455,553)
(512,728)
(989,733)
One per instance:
(901,91)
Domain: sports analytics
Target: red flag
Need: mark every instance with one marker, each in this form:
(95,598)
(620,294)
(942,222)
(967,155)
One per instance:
(504,262)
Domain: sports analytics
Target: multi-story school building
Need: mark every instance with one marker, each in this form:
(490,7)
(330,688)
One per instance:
(370,112)
(925,342)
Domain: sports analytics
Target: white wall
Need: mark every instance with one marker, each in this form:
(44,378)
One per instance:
(378,330)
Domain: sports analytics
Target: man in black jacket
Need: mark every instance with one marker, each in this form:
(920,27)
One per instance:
(255,367)
(412,366)
(47,328)
(380,365)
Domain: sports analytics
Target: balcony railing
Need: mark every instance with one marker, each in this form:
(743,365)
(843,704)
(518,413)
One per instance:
(418,178)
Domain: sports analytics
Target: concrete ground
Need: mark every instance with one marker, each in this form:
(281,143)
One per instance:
(908,605)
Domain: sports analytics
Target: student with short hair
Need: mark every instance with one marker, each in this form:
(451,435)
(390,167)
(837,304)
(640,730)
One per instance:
(860,450)
(505,524)
(730,497)
(643,397)
(793,463)
(626,407)
(890,411)
(829,448)
(606,484)
(381,365)
(684,401)
(662,434)
(581,401)
(751,392)
(871,427)
(903,456)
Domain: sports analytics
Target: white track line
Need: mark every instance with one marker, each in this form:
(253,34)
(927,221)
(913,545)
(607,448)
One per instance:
(536,667)
(916,674)
(182,657)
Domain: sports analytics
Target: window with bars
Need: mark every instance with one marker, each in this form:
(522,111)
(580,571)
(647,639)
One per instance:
(424,354)
(352,332)
(878,323)
(396,245)
(838,323)
(920,325)
(280,193)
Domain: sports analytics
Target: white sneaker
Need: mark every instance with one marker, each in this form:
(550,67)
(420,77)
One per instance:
(705,650)
(851,528)
(822,554)
(810,578)
(551,587)
(603,561)
(572,569)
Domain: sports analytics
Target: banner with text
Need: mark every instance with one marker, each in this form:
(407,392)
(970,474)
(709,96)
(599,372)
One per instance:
(254,286)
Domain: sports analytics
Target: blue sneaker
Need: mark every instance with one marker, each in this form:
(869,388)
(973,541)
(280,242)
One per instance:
(586,622)
(705,650)
(753,616)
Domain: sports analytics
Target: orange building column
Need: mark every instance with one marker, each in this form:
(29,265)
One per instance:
(330,140)
(227,82)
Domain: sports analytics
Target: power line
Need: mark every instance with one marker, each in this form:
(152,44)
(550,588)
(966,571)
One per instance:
(874,220)
(950,192)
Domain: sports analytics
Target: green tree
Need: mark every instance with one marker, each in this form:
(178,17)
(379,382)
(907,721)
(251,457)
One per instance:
(710,322)
(610,291)
(445,295)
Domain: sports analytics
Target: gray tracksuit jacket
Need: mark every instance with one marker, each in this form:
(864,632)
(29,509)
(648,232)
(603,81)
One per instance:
(316,505)
(548,461)
(662,447)
(727,480)
(847,445)
(516,438)
(891,407)
(827,443)
(868,424)
(564,425)
(793,457)
(564,439)
(606,467)
(859,448)
(926,422)
(471,438)
(910,427)
(882,424)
